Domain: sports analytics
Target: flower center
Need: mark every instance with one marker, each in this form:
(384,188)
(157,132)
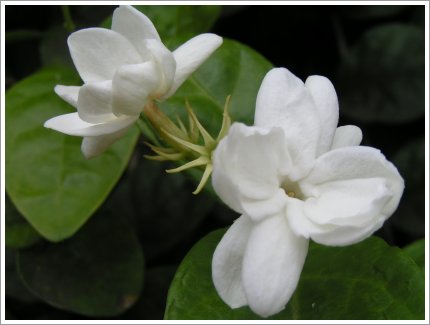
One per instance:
(292,189)
(290,193)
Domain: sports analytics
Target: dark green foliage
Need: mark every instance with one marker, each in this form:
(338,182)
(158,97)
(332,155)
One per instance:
(97,273)
(382,78)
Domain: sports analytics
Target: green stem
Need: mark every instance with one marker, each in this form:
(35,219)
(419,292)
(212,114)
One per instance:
(68,21)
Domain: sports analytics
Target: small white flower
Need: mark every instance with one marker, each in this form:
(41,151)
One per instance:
(293,176)
(122,68)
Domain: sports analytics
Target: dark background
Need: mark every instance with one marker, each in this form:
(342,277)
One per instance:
(307,40)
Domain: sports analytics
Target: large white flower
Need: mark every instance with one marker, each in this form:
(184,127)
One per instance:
(122,68)
(293,176)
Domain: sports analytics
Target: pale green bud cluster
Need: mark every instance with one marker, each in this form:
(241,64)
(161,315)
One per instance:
(193,144)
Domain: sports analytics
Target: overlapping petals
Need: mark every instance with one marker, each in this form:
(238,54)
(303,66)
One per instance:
(253,255)
(123,68)
(283,101)
(294,176)
(250,182)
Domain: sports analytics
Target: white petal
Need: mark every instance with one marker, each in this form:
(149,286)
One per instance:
(347,135)
(325,99)
(344,236)
(68,93)
(327,234)
(272,265)
(135,26)
(248,167)
(98,52)
(352,190)
(132,85)
(190,55)
(71,124)
(94,146)
(166,65)
(227,263)
(259,209)
(351,203)
(94,102)
(354,163)
(284,101)
(299,223)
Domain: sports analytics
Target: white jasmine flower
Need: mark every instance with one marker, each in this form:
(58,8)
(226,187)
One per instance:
(293,176)
(123,68)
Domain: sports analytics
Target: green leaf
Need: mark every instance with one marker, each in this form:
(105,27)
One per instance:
(98,272)
(416,250)
(369,280)
(18,232)
(50,182)
(382,77)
